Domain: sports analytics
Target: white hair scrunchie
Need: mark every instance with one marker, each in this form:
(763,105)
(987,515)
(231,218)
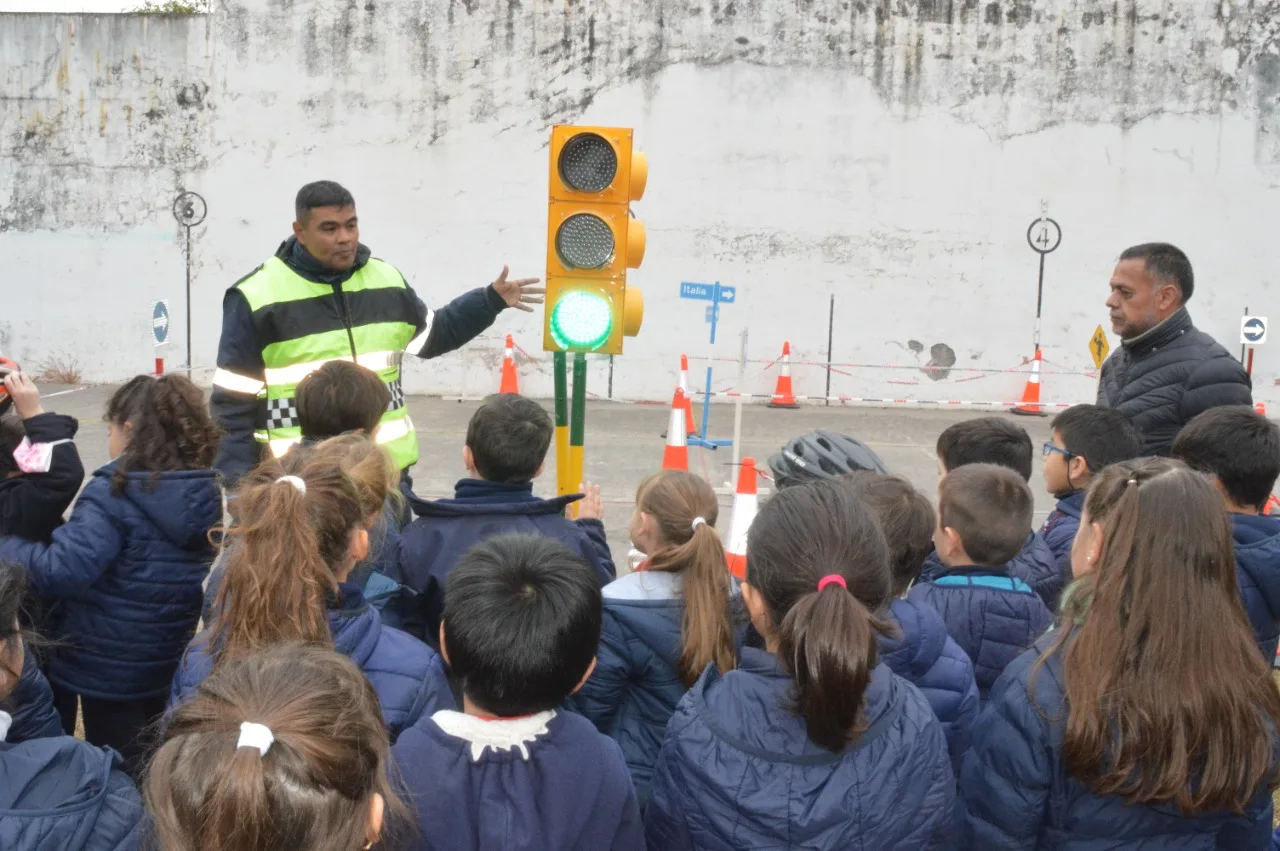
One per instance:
(698,521)
(255,736)
(296,482)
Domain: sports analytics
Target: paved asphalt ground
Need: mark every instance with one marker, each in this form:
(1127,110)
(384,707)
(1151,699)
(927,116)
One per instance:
(623,445)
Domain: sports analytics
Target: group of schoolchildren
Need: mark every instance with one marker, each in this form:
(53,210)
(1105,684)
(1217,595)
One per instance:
(319,660)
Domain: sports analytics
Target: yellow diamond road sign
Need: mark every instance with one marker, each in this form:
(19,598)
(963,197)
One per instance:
(1099,348)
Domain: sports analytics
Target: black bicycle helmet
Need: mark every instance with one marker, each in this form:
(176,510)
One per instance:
(821,454)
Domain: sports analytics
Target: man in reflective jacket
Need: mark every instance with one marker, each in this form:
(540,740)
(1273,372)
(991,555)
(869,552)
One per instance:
(323,297)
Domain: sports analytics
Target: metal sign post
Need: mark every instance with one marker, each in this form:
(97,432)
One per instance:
(717,294)
(1044,236)
(189,209)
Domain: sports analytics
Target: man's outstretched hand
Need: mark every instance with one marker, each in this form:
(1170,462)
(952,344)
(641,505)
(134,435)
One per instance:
(519,293)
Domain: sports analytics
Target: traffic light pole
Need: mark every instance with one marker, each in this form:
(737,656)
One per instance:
(558,367)
(578,422)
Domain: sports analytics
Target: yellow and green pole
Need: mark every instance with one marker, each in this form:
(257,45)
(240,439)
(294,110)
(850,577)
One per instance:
(578,421)
(563,467)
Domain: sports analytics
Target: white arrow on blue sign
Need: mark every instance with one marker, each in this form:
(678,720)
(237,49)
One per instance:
(160,322)
(707,292)
(1253,330)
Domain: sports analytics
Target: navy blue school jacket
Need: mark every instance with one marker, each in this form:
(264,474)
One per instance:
(738,770)
(1015,792)
(407,675)
(1034,564)
(924,655)
(1059,531)
(1257,544)
(526,784)
(67,795)
(30,705)
(32,504)
(445,529)
(636,685)
(127,572)
(991,615)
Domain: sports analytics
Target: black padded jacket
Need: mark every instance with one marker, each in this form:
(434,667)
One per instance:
(1168,375)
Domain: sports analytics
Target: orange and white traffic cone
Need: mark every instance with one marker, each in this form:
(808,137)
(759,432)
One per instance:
(1030,404)
(783,395)
(1261,408)
(510,384)
(690,428)
(745,504)
(676,454)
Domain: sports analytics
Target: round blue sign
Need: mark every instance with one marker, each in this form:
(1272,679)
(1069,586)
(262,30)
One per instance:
(160,322)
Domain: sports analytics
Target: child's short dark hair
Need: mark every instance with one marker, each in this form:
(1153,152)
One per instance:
(508,437)
(1239,447)
(990,508)
(340,397)
(521,623)
(1101,436)
(986,440)
(906,517)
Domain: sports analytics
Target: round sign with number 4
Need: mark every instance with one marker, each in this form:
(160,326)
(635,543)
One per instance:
(1044,235)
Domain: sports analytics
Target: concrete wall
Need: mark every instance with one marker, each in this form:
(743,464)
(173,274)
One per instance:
(889,154)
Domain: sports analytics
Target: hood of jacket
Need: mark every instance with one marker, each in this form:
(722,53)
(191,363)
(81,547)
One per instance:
(474,497)
(1072,504)
(1257,546)
(184,505)
(919,646)
(52,793)
(355,625)
(297,258)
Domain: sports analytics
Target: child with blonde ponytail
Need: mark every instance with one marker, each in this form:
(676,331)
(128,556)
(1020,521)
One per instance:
(664,623)
(304,525)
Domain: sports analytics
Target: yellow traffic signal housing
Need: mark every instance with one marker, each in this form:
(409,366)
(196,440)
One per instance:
(592,239)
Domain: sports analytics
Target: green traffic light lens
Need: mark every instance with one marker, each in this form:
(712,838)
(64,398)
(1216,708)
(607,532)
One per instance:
(581,321)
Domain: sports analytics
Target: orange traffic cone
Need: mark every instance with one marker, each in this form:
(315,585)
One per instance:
(745,504)
(783,395)
(510,384)
(690,428)
(676,455)
(1273,506)
(1261,408)
(1031,393)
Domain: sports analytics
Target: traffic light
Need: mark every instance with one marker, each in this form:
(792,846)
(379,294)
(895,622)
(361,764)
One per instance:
(592,239)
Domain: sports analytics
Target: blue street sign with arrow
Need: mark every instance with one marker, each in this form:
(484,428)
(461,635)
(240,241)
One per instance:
(1253,330)
(160,322)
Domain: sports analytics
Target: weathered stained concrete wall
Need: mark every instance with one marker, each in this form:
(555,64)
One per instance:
(891,154)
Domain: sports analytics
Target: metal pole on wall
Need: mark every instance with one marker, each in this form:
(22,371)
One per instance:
(189,209)
(831,324)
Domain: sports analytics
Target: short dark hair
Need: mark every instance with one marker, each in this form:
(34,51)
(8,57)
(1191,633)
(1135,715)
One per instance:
(986,440)
(508,437)
(341,397)
(1166,262)
(321,193)
(1101,436)
(906,517)
(521,623)
(1238,446)
(990,508)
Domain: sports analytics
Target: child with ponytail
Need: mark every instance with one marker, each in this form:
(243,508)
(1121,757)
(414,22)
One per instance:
(812,742)
(303,526)
(123,575)
(663,624)
(1147,718)
(282,750)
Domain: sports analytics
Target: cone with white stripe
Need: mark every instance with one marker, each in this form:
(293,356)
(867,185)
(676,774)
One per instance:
(784,396)
(688,401)
(745,504)
(1030,405)
(676,454)
(510,383)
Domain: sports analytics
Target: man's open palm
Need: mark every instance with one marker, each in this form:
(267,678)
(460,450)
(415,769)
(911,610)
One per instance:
(519,293)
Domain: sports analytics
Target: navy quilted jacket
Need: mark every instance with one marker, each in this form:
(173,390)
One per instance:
(407,675)
(991,615)
(1059,532)
(126,573)
(636,685)
(63,794)
(32,504)
(1034,564)
(738,770)
(926,656)
(30,704)
(1015,792)
(1257,541)
(1162,379)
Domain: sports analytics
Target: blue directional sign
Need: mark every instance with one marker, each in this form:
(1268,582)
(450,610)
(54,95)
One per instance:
(707,292)
(160,322)
(1253,330)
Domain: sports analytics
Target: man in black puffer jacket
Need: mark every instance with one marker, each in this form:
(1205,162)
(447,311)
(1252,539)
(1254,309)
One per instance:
(1165,371)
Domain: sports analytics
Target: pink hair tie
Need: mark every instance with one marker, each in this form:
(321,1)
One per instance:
(832,579)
